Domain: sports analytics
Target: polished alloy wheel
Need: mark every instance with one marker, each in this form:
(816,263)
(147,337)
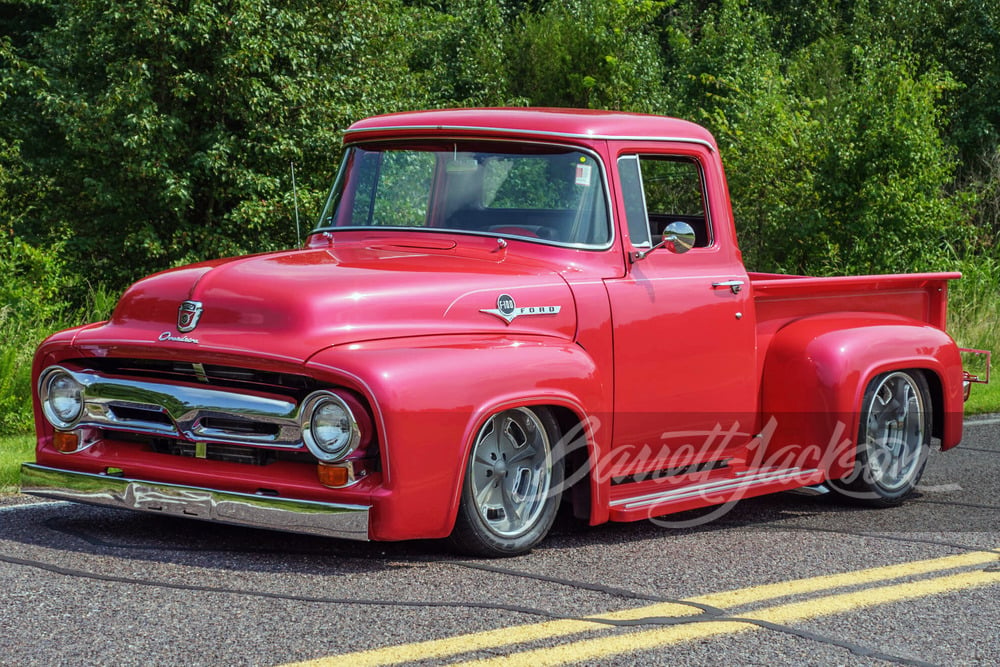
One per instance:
(894,439)
(895,432)
(511,472)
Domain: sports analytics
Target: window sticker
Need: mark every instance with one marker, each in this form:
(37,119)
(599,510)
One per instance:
(584,174)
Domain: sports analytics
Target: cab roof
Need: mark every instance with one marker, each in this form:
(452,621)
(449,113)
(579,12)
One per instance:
(557,123)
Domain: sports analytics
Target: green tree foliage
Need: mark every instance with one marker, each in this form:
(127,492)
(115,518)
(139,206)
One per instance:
(460,57)
(169,130)
(957,39)
(33,295)
(959,36)
(600,54)
(835,153)
(963,38)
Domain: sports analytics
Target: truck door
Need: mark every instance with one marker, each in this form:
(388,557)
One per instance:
(684,329)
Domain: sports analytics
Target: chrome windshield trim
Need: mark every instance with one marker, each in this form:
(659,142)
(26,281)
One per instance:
(193,413)
(521,132)
(465,232)
(605,183)
(241,509)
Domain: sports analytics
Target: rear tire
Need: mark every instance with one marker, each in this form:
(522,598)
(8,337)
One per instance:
(893,441)
(512,485)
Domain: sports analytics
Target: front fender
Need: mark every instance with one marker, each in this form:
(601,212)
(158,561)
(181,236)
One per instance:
(815,373)
(431,395)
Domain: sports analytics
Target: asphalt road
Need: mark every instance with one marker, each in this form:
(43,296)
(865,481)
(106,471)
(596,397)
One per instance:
(781,580)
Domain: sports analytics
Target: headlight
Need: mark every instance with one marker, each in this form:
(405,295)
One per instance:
(329,428)
(61,397)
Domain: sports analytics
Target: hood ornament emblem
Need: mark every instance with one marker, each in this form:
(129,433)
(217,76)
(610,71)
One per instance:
(188,315)
(507,309)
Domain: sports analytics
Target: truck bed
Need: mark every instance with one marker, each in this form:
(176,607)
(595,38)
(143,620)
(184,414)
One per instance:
(780,299)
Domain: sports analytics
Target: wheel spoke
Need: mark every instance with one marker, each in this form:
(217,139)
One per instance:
(906,400)
(885,407)
(486,447)
(523,455)
(895,472)
(511,507)
(485,495)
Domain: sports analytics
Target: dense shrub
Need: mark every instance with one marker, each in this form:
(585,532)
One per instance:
(32,301)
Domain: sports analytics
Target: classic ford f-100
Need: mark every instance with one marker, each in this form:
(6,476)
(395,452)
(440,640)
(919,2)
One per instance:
(500,312)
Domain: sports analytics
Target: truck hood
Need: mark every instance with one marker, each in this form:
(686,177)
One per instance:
(292,304)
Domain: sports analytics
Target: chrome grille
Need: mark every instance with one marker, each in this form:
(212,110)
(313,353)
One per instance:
(184,371)
(187,412)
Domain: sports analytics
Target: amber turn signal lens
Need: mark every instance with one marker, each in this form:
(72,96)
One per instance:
(334,476)
(66,442)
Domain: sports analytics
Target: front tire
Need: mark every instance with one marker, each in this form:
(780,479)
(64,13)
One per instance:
(512,485)
(893,441)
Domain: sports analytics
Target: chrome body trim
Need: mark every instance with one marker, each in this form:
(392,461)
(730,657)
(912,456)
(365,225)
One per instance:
(735,286)
(748,479)
(191,413)
(463,232)
(241,509)
(348,135)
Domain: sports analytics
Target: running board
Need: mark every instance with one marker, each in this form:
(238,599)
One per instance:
(714,492)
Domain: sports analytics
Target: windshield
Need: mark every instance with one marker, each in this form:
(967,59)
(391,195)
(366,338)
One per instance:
(552,194)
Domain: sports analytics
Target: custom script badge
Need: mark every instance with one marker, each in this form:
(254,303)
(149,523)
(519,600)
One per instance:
(188,315)
(507,310)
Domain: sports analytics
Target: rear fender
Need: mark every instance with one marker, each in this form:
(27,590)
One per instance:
(815,374)
(431,395)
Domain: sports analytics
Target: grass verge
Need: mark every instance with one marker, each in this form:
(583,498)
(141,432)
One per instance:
(14,450)
(985,398)
(974,321)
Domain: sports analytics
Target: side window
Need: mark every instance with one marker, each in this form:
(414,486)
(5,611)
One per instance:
(635,201)
(659,190)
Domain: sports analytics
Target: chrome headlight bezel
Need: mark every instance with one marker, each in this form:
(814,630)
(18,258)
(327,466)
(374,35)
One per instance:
(49,392)
(326,405)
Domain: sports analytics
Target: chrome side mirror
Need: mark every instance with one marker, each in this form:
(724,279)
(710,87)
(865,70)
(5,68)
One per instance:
(678,237)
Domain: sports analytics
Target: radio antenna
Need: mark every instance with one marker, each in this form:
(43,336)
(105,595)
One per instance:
(295,198)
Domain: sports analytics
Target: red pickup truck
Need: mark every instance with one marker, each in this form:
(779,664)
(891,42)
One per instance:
(500,312)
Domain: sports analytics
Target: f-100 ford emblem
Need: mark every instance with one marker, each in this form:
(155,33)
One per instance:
(188,315)
(507,310)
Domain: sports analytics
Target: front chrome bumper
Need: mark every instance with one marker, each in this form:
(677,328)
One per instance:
(241,509)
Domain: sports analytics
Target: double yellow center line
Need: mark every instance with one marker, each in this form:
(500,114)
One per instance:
(690,622)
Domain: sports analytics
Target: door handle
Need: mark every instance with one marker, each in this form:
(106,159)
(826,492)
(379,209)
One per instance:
(734,285)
